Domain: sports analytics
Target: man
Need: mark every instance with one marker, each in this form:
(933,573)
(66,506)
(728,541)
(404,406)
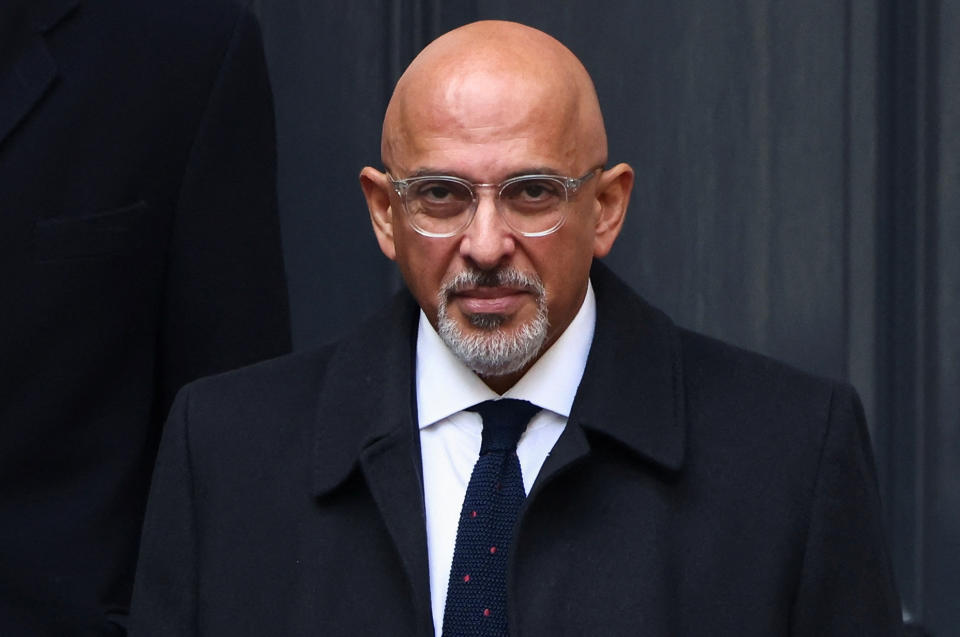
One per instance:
(674,485)
(139,249)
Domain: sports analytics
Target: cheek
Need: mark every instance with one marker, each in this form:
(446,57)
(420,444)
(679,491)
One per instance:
(566,253)
(424,264)
(564,267)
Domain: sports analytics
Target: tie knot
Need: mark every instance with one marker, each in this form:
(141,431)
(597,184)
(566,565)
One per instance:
(504,421)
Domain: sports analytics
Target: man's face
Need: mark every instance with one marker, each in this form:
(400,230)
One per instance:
(491,282)
(490,286)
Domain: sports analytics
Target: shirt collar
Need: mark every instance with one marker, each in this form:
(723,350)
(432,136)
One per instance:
(446,386)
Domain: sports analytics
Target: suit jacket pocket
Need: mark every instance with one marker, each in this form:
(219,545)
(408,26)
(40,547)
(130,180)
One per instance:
(118,232)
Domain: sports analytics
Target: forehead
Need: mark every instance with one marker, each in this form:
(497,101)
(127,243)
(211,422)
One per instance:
(486,120)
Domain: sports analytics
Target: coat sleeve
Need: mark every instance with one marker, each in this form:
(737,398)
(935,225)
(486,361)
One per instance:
(165,587)
(847,586)
(225,302)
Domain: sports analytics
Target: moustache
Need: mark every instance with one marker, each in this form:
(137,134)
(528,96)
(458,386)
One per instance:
(501,277)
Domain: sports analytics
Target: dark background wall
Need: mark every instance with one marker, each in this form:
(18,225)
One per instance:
(798,192)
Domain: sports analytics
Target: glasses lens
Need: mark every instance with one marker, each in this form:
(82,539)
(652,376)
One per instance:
(438,206)
(533,204)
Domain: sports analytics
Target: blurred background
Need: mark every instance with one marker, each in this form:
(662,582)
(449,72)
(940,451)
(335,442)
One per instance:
(798,193)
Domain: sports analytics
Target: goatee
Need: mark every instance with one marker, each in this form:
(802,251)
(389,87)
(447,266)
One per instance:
(491,351)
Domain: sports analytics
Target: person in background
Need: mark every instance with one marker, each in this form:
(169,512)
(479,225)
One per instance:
(139,249)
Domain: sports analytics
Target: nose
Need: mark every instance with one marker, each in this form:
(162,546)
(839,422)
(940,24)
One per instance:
(488,241)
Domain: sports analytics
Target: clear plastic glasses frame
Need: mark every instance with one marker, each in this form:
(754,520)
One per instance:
(442,206)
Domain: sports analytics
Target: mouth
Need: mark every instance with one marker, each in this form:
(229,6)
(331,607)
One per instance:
(490,300)
(500,293)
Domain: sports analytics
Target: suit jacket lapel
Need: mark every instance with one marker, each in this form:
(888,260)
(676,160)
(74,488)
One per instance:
(31,71)
(366,423)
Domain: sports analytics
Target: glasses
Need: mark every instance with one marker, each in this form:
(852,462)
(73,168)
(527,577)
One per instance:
(532,205)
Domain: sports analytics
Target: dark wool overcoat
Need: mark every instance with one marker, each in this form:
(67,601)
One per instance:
(697,489)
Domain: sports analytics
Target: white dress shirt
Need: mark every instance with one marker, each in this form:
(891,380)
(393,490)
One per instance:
(450,437)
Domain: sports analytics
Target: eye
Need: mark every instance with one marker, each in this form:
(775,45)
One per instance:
(535,192)
(438,198)
(435,192)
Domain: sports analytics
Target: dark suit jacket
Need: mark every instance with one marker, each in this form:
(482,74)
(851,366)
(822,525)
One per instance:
(697,490)
(139,249)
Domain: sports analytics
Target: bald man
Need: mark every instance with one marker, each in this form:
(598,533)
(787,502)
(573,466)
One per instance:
(668,484)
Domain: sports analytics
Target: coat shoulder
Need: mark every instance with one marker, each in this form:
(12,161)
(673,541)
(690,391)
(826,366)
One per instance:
(289,388)
(735,397)
(266,385)
(708,361)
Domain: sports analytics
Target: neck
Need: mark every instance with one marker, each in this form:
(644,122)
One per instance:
(501,384)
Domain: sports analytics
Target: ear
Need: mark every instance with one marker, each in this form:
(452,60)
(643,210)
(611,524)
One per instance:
(612,196)
(376,190)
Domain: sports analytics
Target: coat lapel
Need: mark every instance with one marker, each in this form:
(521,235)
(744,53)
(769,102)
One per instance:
(366,424)
(31,71)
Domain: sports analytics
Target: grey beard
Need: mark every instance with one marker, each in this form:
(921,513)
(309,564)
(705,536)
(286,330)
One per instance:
(493,352)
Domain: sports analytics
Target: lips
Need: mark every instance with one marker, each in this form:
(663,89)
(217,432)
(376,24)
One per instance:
(502,292)
(490,300)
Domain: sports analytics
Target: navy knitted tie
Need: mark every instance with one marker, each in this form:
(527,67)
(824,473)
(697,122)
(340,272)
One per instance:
(477,592)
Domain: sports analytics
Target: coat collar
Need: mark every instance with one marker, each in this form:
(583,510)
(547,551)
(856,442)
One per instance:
(632,387)
(367,394)
(31,70)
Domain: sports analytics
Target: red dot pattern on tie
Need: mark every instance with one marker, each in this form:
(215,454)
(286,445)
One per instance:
(477,585)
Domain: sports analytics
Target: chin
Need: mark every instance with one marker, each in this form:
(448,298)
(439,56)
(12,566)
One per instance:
(489,347)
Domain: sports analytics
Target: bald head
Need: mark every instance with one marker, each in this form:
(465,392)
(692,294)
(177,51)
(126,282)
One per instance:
(494,78)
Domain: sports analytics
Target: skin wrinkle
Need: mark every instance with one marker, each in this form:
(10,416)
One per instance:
(486,102)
